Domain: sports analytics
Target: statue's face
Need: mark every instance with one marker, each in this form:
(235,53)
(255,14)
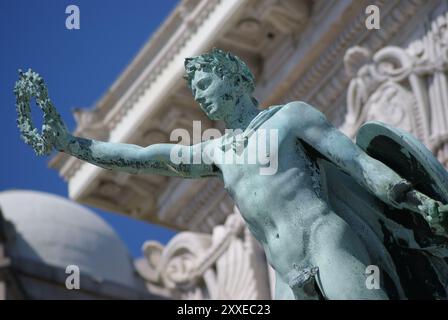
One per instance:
(216,96)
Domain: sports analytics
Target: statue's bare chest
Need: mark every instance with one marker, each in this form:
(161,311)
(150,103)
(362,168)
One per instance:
(271,163)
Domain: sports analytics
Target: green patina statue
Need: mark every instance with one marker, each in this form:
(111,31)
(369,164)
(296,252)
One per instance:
(331,210)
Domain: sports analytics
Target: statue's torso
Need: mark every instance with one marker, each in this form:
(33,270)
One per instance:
(280,209)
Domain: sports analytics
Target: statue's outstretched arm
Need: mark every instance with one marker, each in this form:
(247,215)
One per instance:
(155,159)
(312,127)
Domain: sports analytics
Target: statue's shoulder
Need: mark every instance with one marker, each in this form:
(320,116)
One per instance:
(302,111)
(298,106)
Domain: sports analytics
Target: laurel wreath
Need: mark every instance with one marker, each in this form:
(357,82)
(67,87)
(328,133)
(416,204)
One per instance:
(31,85)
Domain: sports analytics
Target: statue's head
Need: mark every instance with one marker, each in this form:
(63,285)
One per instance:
(217,80)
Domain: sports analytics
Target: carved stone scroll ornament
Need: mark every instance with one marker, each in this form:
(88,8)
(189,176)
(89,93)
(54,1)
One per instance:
(202,266)
(404,87)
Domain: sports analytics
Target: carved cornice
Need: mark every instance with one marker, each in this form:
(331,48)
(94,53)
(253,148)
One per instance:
(192,20)
(325,81)
(196,205)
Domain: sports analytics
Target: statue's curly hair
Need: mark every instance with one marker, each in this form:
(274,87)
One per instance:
(223,64)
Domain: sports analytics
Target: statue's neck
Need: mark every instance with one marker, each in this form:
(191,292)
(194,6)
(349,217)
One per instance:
(245,111)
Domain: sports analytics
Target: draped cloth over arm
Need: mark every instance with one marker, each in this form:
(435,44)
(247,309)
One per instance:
(413,260)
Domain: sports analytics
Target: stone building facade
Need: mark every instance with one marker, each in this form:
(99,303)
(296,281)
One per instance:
(317,51)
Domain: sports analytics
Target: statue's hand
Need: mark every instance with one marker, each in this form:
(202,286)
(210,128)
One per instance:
(61,135)
(54,131)
(59,131)
(433,211)
(403,195)
(436,214)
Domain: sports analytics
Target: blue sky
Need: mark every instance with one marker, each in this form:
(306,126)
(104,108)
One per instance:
(78,67)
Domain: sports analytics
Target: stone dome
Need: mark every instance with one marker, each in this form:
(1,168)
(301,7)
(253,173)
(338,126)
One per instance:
(58,232)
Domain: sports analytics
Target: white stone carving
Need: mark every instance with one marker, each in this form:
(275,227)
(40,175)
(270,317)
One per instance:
(405,87)
(323,82)
(228,264)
